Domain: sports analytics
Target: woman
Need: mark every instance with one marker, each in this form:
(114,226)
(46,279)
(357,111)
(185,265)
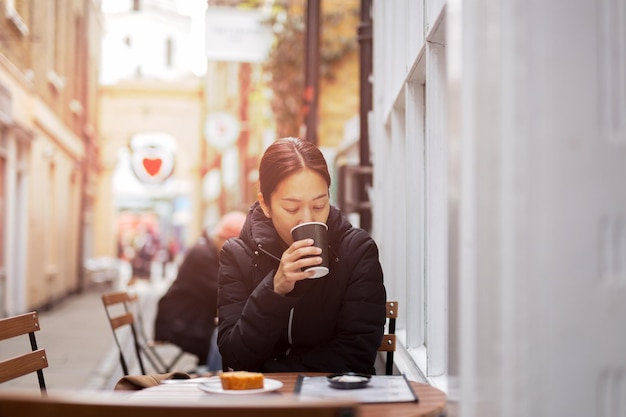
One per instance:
(272,317)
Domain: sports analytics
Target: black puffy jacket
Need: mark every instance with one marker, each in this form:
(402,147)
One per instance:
(330,324)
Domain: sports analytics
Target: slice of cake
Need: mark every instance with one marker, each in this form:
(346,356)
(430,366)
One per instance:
(238,380)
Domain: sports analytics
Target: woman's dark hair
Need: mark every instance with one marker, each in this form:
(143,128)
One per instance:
(285,157)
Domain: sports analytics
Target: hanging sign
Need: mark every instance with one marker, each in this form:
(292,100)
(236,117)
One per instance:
(152,157)
(237,35)
(221,130)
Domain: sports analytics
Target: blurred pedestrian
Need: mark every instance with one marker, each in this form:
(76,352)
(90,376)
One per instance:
(187,312)
(146,244)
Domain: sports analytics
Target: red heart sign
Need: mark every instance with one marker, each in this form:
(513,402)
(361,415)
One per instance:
(152,166)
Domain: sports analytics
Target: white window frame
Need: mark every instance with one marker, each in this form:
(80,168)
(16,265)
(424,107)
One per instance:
(411,155)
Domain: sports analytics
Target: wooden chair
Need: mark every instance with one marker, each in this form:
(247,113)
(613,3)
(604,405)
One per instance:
(123,311)
(102,404)
(150,346)
(388,344)
(20,365)
(119,319)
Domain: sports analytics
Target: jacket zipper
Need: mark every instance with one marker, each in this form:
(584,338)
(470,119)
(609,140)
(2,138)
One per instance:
(289,338)
(290,325)
(266,252)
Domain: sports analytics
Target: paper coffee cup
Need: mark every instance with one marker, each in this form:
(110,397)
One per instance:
(319,233)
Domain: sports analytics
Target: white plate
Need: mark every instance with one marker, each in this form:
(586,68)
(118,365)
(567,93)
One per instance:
(197,380)
(215,387)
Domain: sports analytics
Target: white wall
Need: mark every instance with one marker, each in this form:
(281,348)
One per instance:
(535,206)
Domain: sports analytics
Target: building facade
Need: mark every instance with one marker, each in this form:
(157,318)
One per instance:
(49,63)
(152,109)
(499,150)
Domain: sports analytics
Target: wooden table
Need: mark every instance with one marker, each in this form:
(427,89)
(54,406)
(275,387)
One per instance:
(432,402)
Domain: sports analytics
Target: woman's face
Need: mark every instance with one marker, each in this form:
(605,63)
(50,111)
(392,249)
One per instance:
(299,198)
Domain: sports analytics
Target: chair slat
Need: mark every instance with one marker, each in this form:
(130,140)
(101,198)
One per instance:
(119,321)
(392,309)
(388,343)
(22,365)
(115,298)
(18,325)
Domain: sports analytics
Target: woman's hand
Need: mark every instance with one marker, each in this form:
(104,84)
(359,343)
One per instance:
(291,264)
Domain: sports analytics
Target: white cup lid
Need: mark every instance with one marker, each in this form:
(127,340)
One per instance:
(307,223)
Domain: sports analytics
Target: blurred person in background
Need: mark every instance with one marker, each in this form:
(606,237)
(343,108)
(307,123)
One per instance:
(187,312)
(146,245)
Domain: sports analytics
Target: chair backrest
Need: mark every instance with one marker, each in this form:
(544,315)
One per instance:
(101,404)
(117,307)
(34,361)
(388,344)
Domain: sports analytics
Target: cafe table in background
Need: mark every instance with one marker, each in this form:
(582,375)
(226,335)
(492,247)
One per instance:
(429,401)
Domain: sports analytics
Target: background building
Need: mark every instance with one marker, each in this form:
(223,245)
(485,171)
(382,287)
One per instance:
(49,63)
(239,122)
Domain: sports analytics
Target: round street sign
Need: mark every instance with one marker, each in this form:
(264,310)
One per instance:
(221,130)
(152,158)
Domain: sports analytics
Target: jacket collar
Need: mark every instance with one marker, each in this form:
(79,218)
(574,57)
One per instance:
(258,231)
